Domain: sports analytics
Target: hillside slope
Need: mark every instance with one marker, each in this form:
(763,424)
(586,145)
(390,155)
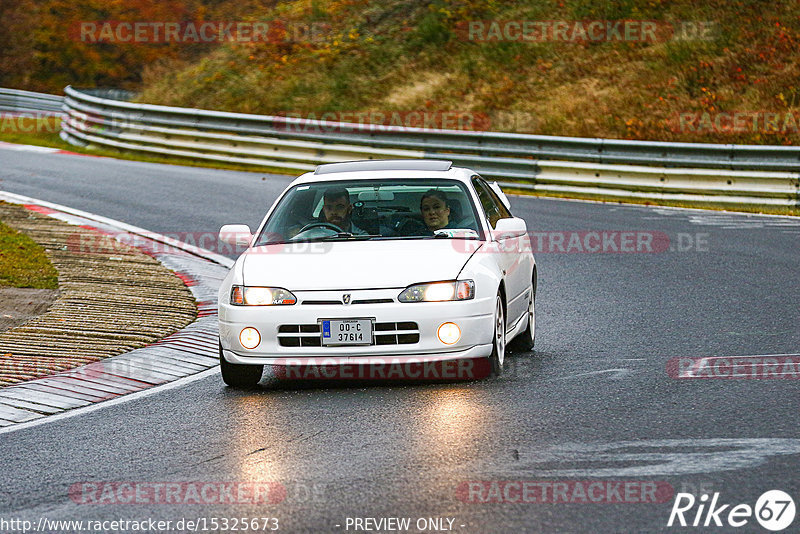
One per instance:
(727,71)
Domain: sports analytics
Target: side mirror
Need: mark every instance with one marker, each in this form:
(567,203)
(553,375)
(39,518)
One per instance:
(507,228)
(238,235)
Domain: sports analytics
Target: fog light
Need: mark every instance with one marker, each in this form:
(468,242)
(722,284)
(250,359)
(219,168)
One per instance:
(249,338)
(449,333)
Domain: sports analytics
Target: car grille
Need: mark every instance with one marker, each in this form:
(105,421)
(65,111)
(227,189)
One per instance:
(339,302)
(372,301)
(309,335)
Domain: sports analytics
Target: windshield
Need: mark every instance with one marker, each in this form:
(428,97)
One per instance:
(373,209)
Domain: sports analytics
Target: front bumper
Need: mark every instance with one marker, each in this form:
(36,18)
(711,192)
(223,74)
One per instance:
(474,318)
(478,351)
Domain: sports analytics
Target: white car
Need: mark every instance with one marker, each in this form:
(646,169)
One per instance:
(378,262)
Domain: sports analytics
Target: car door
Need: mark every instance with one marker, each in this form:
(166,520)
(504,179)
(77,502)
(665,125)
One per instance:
(508,252)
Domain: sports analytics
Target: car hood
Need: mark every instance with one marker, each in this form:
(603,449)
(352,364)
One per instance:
(356,264)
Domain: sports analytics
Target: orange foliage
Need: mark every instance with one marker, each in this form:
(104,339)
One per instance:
(43,48)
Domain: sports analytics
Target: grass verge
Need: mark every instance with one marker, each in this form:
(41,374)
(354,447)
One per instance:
(23,263)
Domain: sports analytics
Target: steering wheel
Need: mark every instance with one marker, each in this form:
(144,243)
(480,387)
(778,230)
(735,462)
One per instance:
(320,224)
(410,226)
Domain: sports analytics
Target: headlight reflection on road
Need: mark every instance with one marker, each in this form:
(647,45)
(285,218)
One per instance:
(451,416)
(252,444)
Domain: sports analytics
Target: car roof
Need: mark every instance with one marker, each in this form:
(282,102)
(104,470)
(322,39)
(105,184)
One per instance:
(385,165)
(386,169)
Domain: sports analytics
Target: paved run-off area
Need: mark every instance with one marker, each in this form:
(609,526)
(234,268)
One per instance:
(594,401)
(113,299)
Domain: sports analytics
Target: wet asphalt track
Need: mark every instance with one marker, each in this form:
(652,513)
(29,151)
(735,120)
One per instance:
(593,402)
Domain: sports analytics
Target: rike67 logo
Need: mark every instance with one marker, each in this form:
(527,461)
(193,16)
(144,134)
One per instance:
(774,510)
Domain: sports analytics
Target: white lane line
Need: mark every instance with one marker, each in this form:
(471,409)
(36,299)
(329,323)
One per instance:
(28,148)
(747,356)
(646,458)
(656,208)
(617,373)
(113,402)
(45,150)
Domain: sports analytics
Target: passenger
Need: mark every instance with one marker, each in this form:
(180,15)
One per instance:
(435,210)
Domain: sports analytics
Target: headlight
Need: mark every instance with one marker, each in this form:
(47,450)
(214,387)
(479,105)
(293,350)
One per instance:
(438,291)
(261,296)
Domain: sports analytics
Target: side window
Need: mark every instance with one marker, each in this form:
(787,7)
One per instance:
(501,207)
(495,210)
(489,207)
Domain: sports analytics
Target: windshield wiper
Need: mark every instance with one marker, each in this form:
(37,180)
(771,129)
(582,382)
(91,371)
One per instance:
(334,237)
(347,235)
(340,236)
(445,236)
(455,233)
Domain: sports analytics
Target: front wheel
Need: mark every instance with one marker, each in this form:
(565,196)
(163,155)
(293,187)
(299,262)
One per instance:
(239,376)
(525,340)
(498,355)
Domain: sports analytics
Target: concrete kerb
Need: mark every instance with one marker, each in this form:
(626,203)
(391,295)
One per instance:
(183,355)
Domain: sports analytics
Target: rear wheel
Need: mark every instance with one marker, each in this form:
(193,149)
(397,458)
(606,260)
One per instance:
(239,376)
(499,338)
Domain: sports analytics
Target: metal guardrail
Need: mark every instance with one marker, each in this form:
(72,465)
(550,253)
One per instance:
(18,101)
(614,169)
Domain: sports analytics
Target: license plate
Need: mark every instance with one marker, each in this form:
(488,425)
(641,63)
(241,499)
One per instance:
(347,332)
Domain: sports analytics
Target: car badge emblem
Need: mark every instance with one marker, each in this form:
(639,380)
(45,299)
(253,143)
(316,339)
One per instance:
(346,298)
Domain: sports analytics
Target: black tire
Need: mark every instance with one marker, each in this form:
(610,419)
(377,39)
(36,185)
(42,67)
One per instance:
(497,357)
(239,376)
(525,340)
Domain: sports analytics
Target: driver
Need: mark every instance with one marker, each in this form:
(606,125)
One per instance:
(336,209)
